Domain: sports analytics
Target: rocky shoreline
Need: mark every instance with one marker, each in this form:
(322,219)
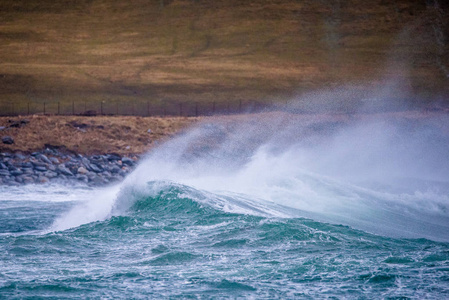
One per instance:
(52,165)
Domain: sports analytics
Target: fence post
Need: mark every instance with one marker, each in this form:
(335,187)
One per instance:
(13,109)
(116,108)
(58,108)
(44,108)
(73,108)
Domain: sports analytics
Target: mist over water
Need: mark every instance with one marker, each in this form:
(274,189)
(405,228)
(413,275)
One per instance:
(384,173)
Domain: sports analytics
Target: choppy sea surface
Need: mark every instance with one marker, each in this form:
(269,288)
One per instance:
(235,221)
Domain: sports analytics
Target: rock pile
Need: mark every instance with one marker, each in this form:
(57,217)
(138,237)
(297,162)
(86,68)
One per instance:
(53,166)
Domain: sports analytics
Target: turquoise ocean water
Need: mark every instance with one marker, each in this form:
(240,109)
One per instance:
(259,215)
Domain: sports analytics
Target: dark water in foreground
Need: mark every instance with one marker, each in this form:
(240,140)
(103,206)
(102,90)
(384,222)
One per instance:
(176,242)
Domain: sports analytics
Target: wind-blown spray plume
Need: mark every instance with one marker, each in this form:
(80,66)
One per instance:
(383,173)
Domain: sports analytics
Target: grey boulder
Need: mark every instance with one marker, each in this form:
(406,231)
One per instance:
(7,140)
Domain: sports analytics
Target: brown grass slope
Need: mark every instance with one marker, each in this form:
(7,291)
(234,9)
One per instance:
(90,135)
(168,51)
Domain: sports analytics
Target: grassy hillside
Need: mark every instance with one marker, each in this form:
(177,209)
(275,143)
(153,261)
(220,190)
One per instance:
(131,54)
(91,135)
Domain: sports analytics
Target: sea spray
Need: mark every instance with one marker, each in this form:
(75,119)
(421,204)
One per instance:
(274,205)
(383,173)
(97,207)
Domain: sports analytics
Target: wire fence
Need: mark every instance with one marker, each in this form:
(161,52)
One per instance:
(134,108)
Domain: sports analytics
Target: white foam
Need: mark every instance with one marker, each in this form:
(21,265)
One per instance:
(97,208)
